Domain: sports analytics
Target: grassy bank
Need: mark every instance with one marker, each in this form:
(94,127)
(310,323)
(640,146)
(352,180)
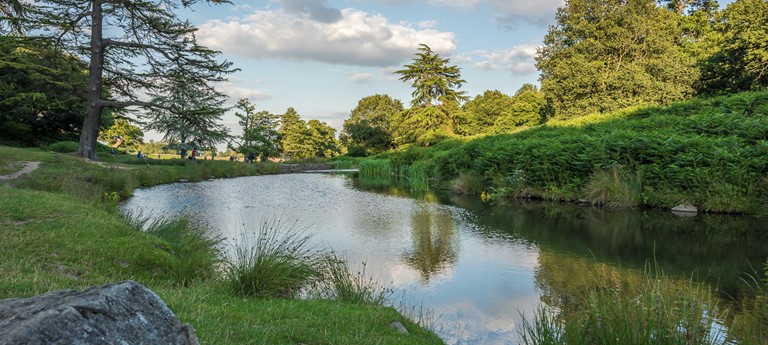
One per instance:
(706,152)
(60,229)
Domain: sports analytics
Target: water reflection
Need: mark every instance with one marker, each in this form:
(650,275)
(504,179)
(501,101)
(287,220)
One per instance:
(478,266)
(434,247)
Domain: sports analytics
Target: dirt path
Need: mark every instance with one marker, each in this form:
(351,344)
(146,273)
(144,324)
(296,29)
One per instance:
(28,168)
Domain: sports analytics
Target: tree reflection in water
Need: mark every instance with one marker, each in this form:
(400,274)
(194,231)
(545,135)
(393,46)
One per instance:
(434,247)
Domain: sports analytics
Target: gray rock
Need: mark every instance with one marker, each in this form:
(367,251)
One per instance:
(124,313)
(685,210)
(399,327)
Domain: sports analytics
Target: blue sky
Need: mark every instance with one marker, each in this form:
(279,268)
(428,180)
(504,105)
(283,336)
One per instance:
(322,56)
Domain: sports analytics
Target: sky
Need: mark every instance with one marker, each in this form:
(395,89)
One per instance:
(321,57)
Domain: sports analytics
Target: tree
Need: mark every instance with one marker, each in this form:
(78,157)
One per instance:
(741,62)
(260,136)
(435,112)
(368,130)
(293,131)
(122,132)
(11,15)
(603,55)
(39,86)
(483,111)
(434,81)
(526,110)
(187,113)
(321,140)
(146,46)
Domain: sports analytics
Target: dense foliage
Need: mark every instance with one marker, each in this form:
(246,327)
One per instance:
(302,139)
(708,152)
(260,137)
(603,55)
(368,130)
(39,88)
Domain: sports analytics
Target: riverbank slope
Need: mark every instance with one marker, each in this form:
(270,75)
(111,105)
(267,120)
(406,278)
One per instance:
(61,230)
(710,153)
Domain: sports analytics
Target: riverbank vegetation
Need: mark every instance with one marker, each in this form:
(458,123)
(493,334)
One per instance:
(61,229)
(709,152)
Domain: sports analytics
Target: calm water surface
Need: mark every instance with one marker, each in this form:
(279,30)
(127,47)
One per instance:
(477,266)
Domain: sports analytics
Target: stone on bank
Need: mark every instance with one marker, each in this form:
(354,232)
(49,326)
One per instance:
(123,313)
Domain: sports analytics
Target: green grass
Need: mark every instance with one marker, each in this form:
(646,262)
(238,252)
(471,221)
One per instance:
(375,168)
(60,230)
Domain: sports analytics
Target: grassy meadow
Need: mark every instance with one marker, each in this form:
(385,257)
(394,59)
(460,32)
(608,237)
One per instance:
(61,230)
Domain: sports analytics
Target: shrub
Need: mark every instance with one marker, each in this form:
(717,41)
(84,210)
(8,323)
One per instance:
(64,147)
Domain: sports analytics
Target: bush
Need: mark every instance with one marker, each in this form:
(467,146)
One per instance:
(64,147)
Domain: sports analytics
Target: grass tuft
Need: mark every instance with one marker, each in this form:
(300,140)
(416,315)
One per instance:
(339,282)
(614,187)
(277,261)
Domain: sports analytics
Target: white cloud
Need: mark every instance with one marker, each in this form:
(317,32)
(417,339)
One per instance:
(360,78)
(357,38)
(463,4)
(236,92)
(510,13)
(518,60)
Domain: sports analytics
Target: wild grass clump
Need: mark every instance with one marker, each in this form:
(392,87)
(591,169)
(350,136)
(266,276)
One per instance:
(614,187)
(340,283)
(375,168)
(750,326)
(660,311)
(196,251)
(277,261)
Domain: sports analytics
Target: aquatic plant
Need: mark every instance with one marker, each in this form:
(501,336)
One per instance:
(614,187)
(417,177)
(375,168)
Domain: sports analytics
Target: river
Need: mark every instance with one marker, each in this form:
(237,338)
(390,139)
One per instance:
(477,267)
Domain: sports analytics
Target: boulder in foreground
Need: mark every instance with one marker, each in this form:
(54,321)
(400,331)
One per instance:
(123,313)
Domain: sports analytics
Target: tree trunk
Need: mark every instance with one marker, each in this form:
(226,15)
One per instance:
(90,131)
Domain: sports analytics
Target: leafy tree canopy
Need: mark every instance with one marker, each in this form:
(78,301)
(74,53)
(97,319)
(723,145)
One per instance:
(434,80)
(188,114)
(368,130)
(603,55)
(741,60)
(122,134)
(39,86)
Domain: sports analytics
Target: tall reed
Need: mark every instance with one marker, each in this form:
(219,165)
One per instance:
(614,187)
(417,177)
(378,168)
